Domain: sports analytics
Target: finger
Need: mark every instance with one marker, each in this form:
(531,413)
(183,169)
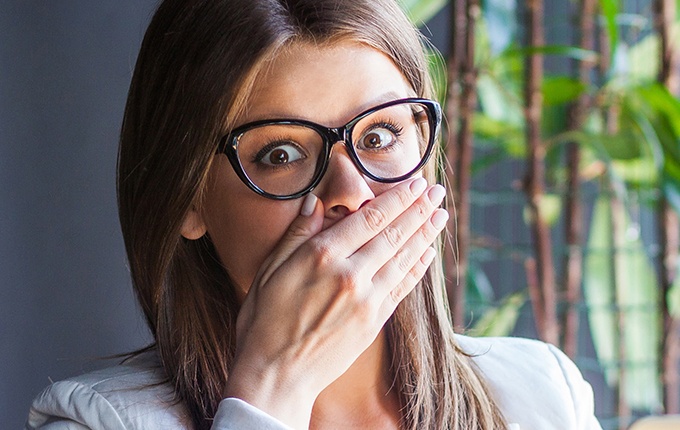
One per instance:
(354,231)
(389,242)
(403,260)
(306,225)
(404,288)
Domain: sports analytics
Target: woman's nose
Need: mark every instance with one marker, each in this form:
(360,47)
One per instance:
(343,189)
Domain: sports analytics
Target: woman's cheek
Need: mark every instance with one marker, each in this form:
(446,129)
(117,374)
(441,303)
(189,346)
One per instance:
(247,236)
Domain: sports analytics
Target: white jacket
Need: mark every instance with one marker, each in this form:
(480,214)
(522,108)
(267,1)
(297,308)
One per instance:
(535,385)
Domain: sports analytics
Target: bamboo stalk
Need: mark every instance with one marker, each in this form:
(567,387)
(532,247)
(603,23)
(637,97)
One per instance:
(573,274)
(535,179)
(458,26)
(537,305)
(465,144)
(670,347)
(669,70)
(461,104)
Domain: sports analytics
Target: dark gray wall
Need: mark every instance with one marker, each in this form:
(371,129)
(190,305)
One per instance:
(65,295)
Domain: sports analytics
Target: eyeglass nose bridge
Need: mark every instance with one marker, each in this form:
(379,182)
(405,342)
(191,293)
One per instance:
(341,135)
(336,135)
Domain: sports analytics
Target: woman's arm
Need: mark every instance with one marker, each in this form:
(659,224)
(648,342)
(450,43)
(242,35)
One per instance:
(68,405)
(71,405)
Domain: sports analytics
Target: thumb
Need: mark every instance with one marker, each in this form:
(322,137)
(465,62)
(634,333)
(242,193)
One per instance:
(306,225)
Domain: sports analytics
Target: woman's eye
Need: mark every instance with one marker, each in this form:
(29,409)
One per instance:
(280,154)
(377,138)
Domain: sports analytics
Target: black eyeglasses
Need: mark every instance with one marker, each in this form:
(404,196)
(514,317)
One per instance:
(285,158)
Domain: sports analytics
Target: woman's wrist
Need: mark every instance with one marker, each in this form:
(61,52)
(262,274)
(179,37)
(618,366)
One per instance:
(269,389)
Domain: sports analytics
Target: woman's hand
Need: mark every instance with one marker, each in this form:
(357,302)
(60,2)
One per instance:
(322,297)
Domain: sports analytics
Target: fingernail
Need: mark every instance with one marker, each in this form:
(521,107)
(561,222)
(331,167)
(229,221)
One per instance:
(428,256)
(436,194)
(439,218)
(308,205)
(418,186)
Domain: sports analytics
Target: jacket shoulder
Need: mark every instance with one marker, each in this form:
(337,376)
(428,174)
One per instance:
(534,383)
(132,395)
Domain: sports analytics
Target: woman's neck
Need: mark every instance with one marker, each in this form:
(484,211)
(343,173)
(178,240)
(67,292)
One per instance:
(363,397)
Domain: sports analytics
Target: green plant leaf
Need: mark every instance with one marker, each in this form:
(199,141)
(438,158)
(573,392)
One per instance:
(665,116)
(610,9)
(625,145)
(497,102)
(657,113)
(479,288)
(663,101)
(549,208)
(500,321)
(488,127)
(553,122)
(559,50)
(561,89)
(619,277)
(507,136)
(638,171)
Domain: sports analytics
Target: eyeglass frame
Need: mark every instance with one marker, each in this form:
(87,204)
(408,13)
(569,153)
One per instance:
(228,145)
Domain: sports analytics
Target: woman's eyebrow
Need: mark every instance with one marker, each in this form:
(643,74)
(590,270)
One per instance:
(382,98)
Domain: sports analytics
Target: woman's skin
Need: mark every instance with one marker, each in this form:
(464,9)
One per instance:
(320,276)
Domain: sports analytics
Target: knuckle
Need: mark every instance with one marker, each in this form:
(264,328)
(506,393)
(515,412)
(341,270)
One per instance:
(350,284)
(423,207)
(394,235)
(396,294)
(359,299)
(323,253)
(403,260)
(375,218)
(298,230)
(404,195)
(428,232)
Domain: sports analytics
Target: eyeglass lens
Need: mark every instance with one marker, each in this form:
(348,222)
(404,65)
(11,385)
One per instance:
(283,159)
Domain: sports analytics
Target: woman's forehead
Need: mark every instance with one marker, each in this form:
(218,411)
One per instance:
(327,83)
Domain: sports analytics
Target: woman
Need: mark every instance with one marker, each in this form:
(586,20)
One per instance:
(274,166)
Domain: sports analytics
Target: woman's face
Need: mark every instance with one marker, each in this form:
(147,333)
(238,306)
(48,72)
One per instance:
(328,85)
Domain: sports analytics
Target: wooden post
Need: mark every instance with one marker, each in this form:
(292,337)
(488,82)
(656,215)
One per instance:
(669,226)
(460,107)
(573,273)
(535,179)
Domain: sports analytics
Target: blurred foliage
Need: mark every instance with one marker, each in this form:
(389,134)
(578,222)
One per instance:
(639,152)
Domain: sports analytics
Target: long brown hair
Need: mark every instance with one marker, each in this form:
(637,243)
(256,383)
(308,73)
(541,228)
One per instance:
(192,77)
